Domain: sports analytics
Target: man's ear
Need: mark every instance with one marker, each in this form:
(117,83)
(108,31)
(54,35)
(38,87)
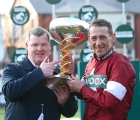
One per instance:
(113,37)
(26,46)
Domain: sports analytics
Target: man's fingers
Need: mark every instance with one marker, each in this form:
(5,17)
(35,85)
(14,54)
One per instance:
(55,62)
(46,60)
(70,57)
(73,76)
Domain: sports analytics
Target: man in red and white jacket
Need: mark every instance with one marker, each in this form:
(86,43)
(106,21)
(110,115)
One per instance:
(108,83)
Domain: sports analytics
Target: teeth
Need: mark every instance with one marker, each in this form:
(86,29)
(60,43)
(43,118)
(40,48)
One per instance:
(40,54)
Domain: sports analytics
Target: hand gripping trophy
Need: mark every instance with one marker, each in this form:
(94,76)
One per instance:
(69,33)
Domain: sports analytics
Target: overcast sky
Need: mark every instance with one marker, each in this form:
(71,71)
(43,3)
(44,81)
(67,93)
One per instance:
(5,6)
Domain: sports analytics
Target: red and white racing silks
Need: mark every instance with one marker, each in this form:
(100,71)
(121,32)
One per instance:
(113,102)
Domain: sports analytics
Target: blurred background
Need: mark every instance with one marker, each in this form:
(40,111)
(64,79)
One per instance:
(42,12)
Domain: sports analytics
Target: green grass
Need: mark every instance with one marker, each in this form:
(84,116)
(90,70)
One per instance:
(2,112)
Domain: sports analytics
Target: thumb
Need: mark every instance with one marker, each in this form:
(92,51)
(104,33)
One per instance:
(46,60)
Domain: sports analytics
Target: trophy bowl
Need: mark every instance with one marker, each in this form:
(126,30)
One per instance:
(69,33)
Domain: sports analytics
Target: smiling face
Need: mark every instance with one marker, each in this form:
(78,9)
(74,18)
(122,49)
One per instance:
(100,39)
(38,48)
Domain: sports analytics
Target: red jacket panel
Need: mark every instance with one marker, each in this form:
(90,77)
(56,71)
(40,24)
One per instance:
(114,102)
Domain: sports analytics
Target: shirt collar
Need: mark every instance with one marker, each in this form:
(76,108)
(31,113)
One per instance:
(105,56)
(32,63)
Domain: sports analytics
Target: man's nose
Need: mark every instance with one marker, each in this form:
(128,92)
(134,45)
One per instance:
(39,47)
(98,41)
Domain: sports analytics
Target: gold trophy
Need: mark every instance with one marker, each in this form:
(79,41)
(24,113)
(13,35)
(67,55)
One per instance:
(69,33)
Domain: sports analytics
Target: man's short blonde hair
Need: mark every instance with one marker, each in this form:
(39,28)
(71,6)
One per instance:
(37,31)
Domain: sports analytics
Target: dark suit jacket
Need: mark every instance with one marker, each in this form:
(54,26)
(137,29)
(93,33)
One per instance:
(24,91)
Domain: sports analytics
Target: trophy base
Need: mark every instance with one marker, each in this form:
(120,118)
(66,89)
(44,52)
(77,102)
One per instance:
(56,79)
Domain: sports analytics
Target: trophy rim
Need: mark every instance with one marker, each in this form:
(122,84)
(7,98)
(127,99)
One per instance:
(60,76)
(67,21)
(59,80)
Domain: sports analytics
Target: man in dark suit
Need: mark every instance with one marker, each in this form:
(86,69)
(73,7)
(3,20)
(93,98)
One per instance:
(27,97)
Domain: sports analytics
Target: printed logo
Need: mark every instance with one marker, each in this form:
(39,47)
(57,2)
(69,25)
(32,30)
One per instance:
(88,13)
(97,81)
(20,15)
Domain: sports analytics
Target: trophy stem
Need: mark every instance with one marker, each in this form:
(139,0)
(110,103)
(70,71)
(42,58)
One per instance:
(65,54)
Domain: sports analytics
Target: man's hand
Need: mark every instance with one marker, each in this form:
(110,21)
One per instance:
(62,92)
(48,67)
(75,84)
